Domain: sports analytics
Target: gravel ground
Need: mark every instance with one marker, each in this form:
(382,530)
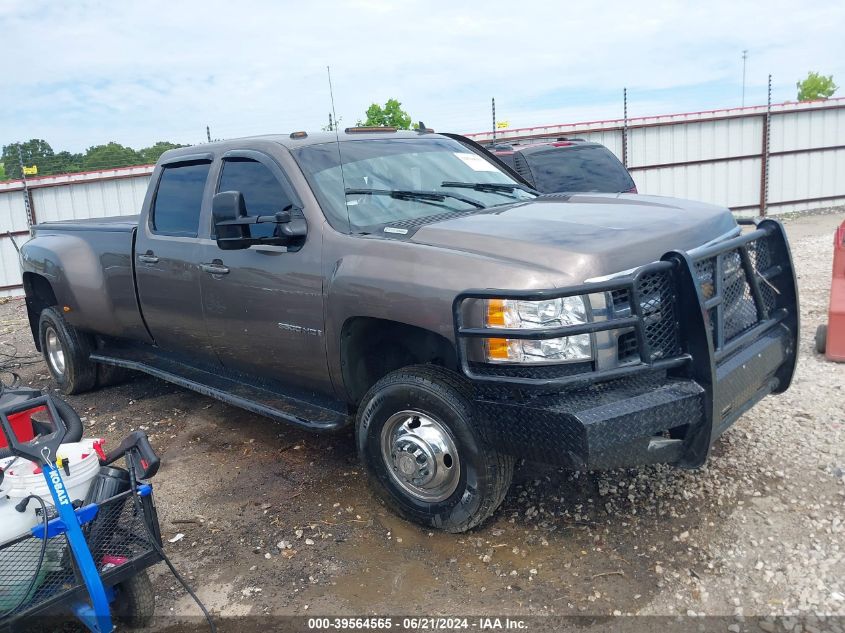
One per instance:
(276,521)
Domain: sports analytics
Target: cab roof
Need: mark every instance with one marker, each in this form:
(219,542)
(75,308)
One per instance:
(530,148)
(294,140)
(318,138)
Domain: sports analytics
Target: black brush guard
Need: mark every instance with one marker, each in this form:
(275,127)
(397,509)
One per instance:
(707,335)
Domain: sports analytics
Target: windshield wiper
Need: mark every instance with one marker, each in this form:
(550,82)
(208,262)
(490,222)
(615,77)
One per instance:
(489,187)
(411,194)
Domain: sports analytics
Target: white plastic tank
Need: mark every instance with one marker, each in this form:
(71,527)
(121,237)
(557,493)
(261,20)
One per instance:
(13,523)
(19,562)
(24,478)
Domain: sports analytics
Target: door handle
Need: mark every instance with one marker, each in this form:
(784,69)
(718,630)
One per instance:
(215,269)
(148,258)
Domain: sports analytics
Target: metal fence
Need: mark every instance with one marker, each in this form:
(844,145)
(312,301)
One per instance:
(718,156)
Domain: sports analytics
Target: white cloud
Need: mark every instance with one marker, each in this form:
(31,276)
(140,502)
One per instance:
(91,72)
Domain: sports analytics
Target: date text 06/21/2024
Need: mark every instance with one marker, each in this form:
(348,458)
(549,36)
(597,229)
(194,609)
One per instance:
(418,623)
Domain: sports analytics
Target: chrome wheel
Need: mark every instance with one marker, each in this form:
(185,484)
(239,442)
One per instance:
(420,456)
(54,351)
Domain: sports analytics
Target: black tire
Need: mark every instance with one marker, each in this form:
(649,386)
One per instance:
(821,338)
(484,474)
(134,605)
(108,375)
(79,373)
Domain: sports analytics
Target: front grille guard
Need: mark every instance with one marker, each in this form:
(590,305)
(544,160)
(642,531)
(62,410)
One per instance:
(753,292)
(629,283)
(774,297)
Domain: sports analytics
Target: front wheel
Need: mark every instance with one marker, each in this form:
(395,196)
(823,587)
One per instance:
(423,454)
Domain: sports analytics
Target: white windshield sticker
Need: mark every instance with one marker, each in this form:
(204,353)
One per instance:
(476,162)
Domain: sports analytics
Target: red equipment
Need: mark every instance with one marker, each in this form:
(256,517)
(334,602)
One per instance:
(29,423)
(22,425)
(830,338)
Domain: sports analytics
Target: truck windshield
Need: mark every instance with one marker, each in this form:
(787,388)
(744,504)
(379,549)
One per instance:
(396,169)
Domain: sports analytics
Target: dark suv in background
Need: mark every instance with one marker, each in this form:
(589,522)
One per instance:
(567,165)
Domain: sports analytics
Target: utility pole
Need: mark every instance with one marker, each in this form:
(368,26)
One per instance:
(208,133)
(493,100)
(744,58)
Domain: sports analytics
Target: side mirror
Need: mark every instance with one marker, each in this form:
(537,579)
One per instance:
(227,207)
(232,224)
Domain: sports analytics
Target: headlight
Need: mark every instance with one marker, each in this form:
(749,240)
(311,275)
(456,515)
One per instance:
(549,313)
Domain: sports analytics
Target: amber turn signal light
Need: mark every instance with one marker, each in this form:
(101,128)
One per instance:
(496,312)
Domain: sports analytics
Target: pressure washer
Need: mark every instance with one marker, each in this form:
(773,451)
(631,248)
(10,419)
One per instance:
(84,546)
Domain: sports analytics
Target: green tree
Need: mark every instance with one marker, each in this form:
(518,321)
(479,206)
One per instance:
(391,115)
(38,152)
(816,86)
(110,155)
(35,151)
(2,172)
(151,154)
(63,162)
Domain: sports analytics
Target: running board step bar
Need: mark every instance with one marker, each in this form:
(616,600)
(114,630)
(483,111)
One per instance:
(267,401)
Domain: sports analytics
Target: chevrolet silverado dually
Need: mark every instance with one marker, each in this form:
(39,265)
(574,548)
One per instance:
(411,285)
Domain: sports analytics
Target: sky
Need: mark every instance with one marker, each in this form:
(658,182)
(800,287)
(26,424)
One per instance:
(84,73)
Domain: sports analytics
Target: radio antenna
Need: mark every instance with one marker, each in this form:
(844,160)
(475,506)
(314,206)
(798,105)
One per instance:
(337,141)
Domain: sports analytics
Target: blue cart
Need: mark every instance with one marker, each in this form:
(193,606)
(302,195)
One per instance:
(89,562)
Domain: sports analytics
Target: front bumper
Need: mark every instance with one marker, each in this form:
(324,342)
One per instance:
(722,336)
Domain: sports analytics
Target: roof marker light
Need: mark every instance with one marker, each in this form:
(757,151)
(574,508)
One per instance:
(364,129)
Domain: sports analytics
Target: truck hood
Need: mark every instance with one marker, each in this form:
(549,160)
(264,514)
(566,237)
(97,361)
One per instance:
(583,235)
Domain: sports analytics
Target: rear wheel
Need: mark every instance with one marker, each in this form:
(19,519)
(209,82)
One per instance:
(424,456)
(821,338)
(66,352)
(134,603)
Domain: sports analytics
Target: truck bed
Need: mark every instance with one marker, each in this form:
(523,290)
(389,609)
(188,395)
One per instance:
(120,223)
(89,264)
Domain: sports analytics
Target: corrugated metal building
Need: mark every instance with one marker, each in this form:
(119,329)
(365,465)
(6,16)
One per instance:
(93,194)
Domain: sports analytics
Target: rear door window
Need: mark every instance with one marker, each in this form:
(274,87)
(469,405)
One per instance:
(574,169)
(262,191)
(178,201)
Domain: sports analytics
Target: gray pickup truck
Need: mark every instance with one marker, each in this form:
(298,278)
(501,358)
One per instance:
(410,283)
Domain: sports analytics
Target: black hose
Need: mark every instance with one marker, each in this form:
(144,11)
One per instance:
(154,542)
(22,504)
(69,417)
(16,381)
